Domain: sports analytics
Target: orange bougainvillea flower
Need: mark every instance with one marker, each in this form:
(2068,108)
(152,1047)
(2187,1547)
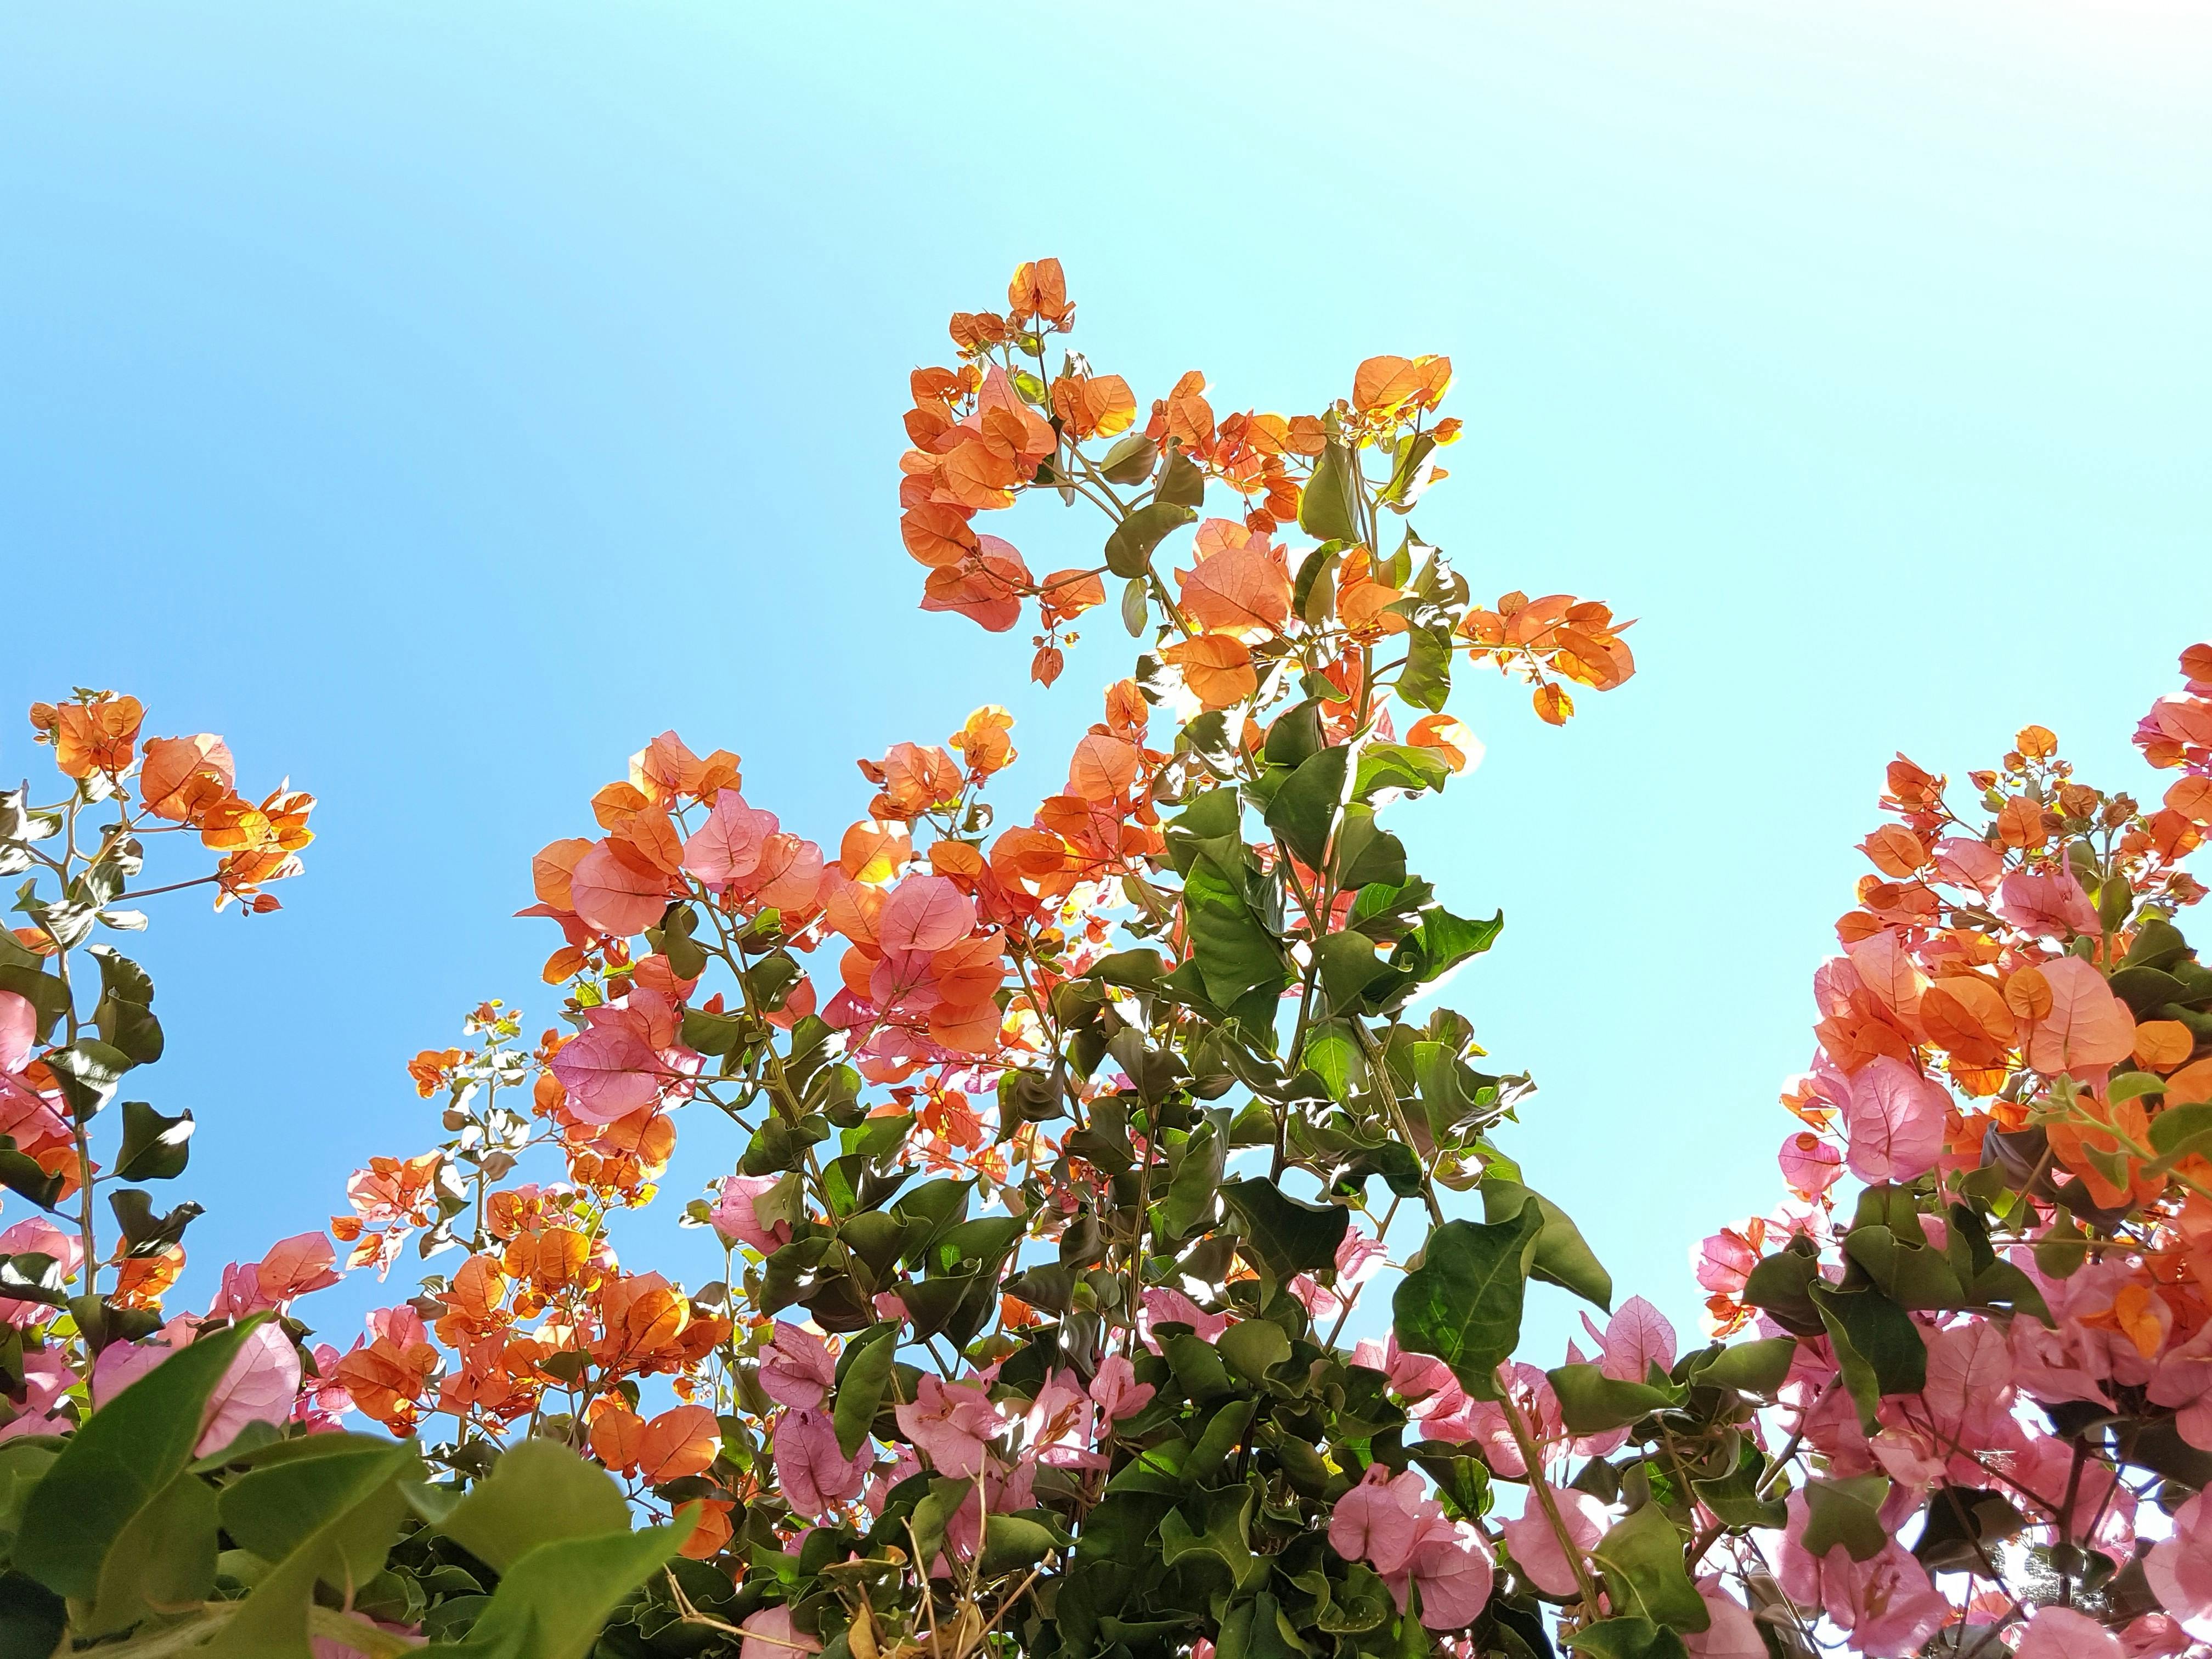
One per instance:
(913,780)
(429,1069)
(183,777)
(1217,668)
(680,1441)
(1240,585)
(1448,736)
(986,741)
(1066,594)
(98,736)
(2163,1044)
(1553,706)
(1387,385)
(1094,405)
(1039,289)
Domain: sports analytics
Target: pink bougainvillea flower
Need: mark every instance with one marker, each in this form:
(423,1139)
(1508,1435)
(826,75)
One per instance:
(38,1236)
(2087,1026)
(2179,1567)
(614,895)
(260,1387)
(2053,904)
(1536,1547)
(769,1634)
(1394,1526)
(797,1368)
(1733,1633)
(950,1424)
(1887,1603)
(2066,1633)
(736,1213)
(19,1030)
(727,847)
(1061,1428)
(1116,1390)
(1636,1338)
(1166,1307)
(813,1474)
(1894,1123)
(1809,1164)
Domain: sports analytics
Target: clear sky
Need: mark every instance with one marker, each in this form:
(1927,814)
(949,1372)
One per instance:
(439,401)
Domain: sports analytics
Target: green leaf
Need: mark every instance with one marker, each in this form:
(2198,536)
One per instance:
(154,1147)
(1735,1497)
(123,1456)
(295,1489)
(1255,1347)
(1182,484)
(163,1560)
(32,1618)
(48,997)
(320,1514)
(1563,1256)
(1348,966)
(861,1391)
(1131,460)
(20,1172)
(1397,766)
(1642,1561)
(1237,952)
(552,1601)
(1129,549)
(1012,1543)
(1304,809)
(1326,507)
(1758,1367)
(1879,1349)
(1425,680)
(1136,606)
(1846,1512)
(539,1492)
(1442,941)
(1463,1303)
(1590,1402)
(87,1070)
(1189,1199)
(2179,1131)
(1286,1236)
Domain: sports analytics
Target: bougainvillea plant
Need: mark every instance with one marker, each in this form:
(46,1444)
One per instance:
(1063,1154)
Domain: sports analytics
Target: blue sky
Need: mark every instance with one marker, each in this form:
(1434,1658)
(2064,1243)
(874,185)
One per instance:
(441,401)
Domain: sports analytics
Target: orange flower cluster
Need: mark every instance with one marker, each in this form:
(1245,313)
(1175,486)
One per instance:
(187,781)
(1576,639)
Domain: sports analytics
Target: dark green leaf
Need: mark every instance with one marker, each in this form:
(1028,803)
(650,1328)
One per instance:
(1131,460)
(154,1147)
(867,1377)
(1877,1348)
(1463,1303)
(1303,810)
(1129,549)
(1590,1402)
(1182,484)
(1286,1236)
(1846,1512)
(1326,508)
(1642,1561)
(126,1453)
(538,1492)
(552,1601)
(1425,680)
(87,1070)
